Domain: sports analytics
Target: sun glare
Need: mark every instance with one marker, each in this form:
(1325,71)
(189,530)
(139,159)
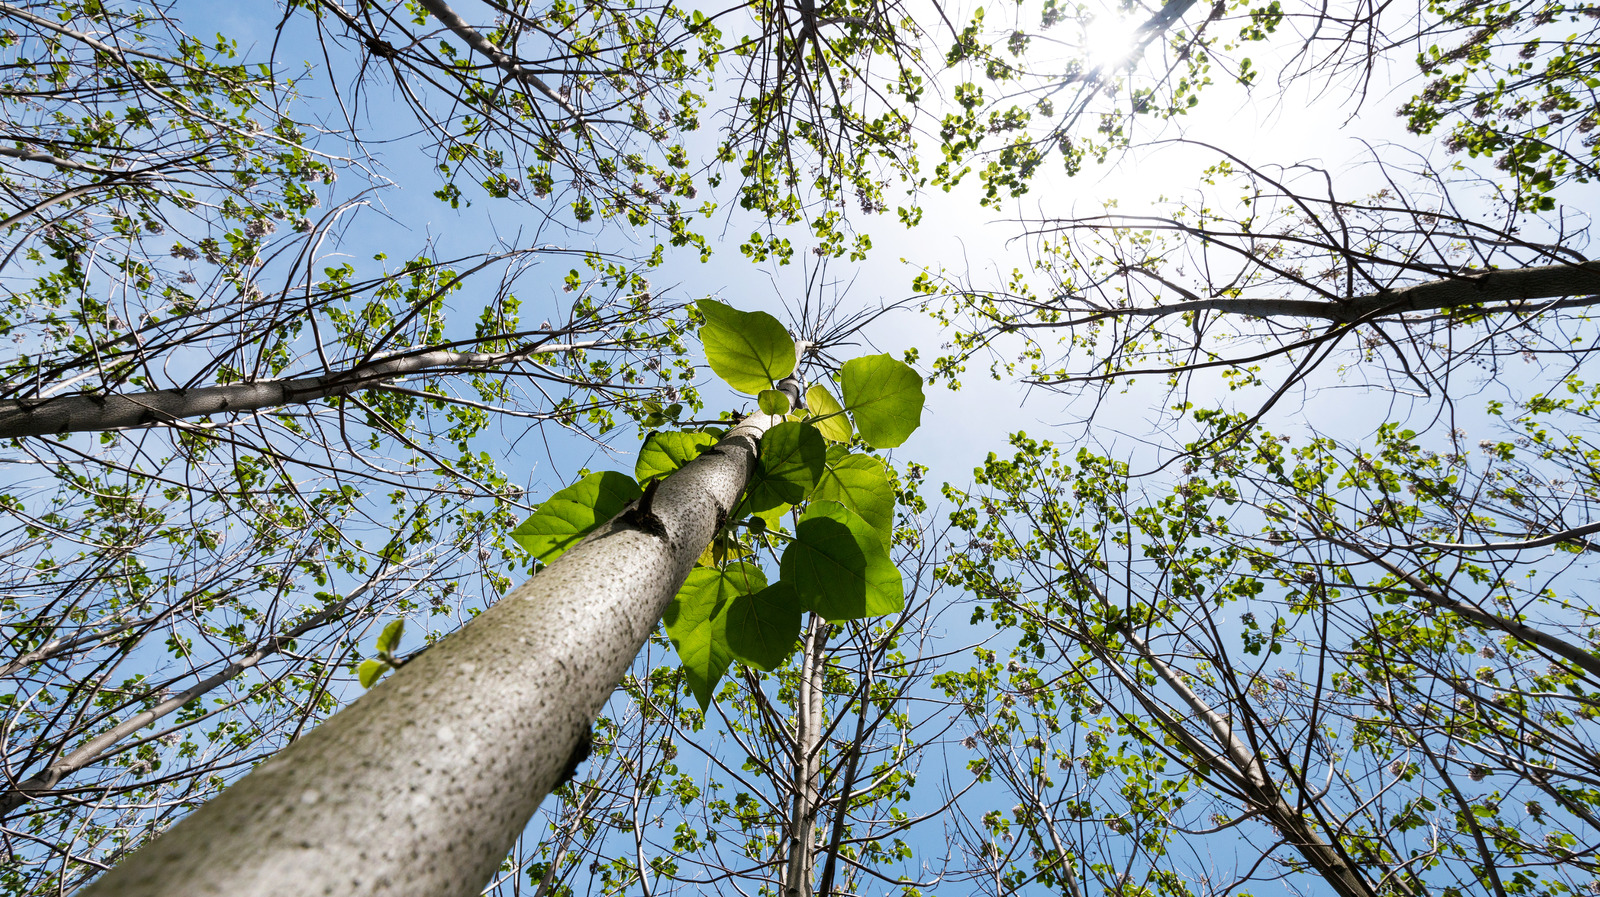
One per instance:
(1108,40)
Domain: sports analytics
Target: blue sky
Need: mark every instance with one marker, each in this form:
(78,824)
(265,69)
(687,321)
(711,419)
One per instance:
(959,428)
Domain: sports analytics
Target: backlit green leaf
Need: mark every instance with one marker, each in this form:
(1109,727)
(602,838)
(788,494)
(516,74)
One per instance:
(749,350)
(389,639)
(790,462)
(662,453)
(697,622)
(822,404)
(574,512)
(773,401)
(840,566)
(370,671)
(884,396)
(860,483)
(763,626)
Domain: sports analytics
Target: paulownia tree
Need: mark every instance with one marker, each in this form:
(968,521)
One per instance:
(230,423)
(674,800)
(594,106)
(1408,268)
(1509,83)
(482,724)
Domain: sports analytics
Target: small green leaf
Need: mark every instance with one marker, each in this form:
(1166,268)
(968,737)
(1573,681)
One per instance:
(884,396)
(860,483)
(662,453)
(833,425)
(789,463)
(370,671)
(749,350)
(721,550)
(840,566)
(772,517)
(574,512)
(773,401)
(389,639)
(763,626)
(697,622)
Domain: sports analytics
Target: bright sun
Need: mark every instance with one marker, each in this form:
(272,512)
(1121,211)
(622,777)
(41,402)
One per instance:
(1108,40)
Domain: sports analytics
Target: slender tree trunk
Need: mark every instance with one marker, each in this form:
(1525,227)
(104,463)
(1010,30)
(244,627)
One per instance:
(802,861)
(841,805)
(78,413)
(422,785)
(1243,764)
(500,58)
(1238,762)
(564,836)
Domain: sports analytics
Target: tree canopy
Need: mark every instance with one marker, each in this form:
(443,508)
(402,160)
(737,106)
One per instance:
(328,322)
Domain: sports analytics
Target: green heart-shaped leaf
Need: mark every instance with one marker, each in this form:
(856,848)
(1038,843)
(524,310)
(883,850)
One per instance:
(662,453)
(763,626)
(574,512)
(749,350)
(885,398)
(840,566)
(773,401)
(789,464)
(860,483)
(833,425)
(697,622)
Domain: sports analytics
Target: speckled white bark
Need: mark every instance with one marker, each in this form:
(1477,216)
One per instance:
(421,786)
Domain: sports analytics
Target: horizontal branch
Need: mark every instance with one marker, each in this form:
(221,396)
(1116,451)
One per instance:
(28,155)
(93,413)
(1509,286)
(1574,286)
(1575,536)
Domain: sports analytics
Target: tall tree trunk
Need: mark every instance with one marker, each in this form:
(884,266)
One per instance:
(802,860)
(422,785)
(1243,764)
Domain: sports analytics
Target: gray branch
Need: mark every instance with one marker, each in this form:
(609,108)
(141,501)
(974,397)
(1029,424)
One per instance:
(1586,660)
(79,413)
(97,747)
(1517,290)
(500,58)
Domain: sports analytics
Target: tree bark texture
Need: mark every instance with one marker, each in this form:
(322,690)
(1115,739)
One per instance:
(421,786)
